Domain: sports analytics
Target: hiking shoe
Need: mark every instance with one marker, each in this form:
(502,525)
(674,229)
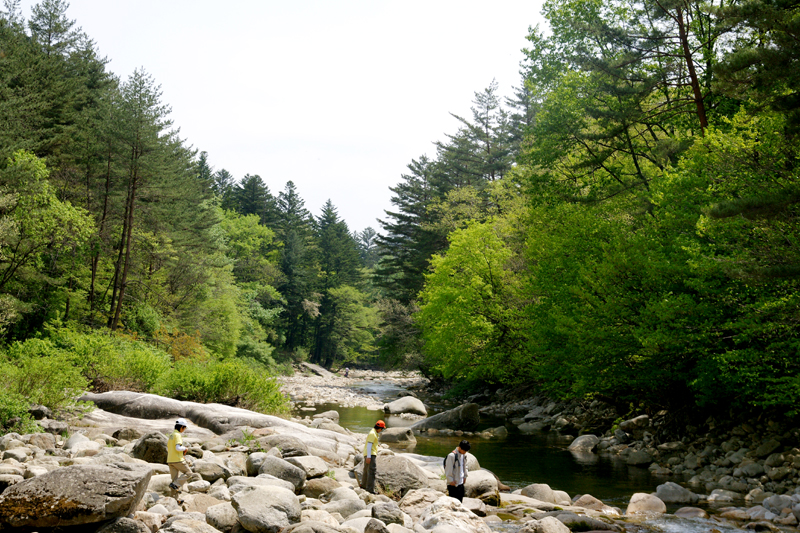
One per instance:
(173,486)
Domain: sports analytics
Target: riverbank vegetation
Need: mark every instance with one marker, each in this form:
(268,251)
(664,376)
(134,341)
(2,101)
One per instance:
(623,226)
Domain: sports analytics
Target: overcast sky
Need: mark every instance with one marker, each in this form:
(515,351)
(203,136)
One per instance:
(337,96)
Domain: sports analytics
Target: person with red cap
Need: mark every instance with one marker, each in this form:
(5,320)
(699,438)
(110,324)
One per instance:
(370,455)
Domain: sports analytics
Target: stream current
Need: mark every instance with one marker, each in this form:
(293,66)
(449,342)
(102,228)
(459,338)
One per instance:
(519,460)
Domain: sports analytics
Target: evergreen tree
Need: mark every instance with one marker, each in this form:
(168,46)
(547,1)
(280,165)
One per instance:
(252,197)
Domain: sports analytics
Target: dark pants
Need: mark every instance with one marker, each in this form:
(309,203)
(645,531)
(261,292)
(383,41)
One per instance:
(456,492)
(368,475)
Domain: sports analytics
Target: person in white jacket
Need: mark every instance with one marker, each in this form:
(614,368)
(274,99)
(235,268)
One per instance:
(456,471)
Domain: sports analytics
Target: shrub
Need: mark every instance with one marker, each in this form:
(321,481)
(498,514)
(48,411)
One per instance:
(230,382)
(51,381)
(14,416)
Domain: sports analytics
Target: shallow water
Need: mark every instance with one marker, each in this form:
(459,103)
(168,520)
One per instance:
(519,460)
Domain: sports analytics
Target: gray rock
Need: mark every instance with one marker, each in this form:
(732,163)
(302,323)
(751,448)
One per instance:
(375,526)
(312,526)
(282,469)
(635,424)
(388,513)
(38,412)
(54,427)
(189,526)
(671,492)
(175,517)
(775,459)
(539,491)
(266,509)
(253,462)
(313,466)
(721,495)
(480,482)
(42,441)
(778,503)
(584,523)
(151,448)
(642,503)
(415,502)
(222,516)
(475,505)
(464,417)
(210,471)
(314,488)
(345,507)
(343,493)
(584,443)
(17,454)
(780,473)
(237,483)
(548,524)
(691,512)
(128,433)
(751,470)
(397,474)
(74,495)
(403,436)
(767,448)
(288,445)
(124,525)
(639,458)
(330,415)
(408,404)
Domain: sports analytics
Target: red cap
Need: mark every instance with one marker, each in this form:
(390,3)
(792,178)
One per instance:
(380,424)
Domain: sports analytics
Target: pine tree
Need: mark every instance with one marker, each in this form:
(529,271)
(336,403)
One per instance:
(252,197)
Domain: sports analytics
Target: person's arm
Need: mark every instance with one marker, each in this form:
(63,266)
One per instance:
(369,450)
(449,470)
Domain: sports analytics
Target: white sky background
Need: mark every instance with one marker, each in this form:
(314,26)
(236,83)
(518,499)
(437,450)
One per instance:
(337,96)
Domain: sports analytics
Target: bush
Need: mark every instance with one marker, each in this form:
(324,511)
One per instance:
(53,381)
(230,382)
(14,416)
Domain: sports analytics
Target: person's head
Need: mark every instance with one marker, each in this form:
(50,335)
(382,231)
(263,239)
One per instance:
(463,446)
(380,425)
(180,424)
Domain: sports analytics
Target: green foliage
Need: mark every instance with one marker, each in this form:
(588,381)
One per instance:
(230,382)
(14,416)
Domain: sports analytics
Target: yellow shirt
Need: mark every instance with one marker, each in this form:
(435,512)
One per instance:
(373,438)
(173,455)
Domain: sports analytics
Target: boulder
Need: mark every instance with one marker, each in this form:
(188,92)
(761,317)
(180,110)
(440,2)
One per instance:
(635,424)
(266,509)
(722,495)
(313,466)
(222,516)
(691,512)
(584,443)
(54,427)
(128,433)
(124,525)
(401,436)
(151,448)
(548,524)
(475,505)
(345,507)
(397,474)
(407,404)
(74,495)
(671,492)
(288,445)
(318,515)
(253,462)
(479,483)
(639,458)
(314,488)
(587,501)
(330,415)
(464,417)
(153,521)
(199,503)
(767,448)
(312,526)
(415,502)
(188,526)
(210,471)
(388,513)
(282,469)
(642,503)
(237,483)
(577,522)
(42,441)
(539,491)
(449,512)
(375,526)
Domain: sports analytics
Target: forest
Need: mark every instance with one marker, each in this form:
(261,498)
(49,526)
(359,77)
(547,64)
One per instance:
(623,227)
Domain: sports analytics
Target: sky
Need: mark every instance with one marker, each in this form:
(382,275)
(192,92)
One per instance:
(336,96)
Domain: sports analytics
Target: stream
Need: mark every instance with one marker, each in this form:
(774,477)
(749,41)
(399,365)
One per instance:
(519,460)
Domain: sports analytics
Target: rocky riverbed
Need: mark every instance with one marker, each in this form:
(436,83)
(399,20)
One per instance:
(259,473)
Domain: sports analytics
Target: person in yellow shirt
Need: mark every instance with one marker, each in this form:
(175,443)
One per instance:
(370,456)
(178,468)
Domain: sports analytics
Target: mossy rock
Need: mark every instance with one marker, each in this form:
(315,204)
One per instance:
(506,516)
